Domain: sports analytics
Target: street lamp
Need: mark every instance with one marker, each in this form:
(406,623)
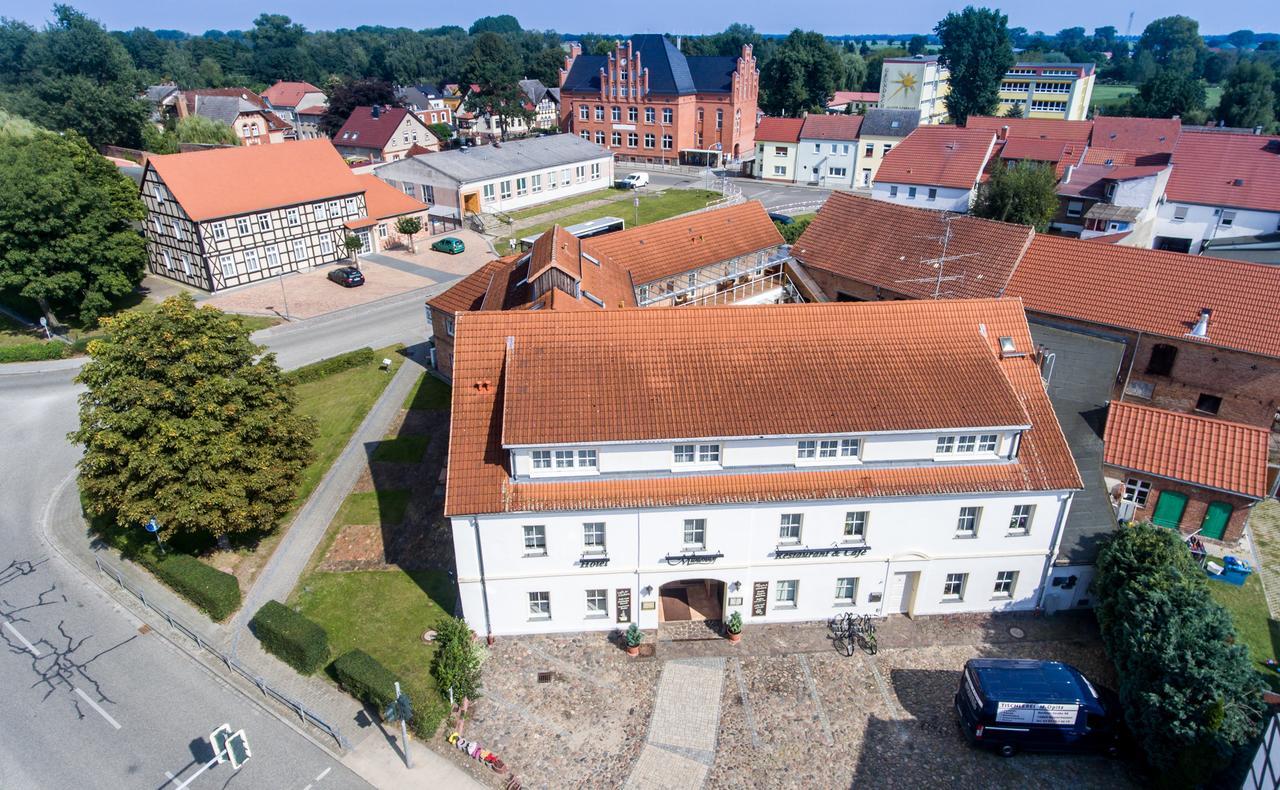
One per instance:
(636,200)
(154,528)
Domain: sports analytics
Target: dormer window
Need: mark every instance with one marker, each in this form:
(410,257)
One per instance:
(828,449)
(967,444)
(708,454)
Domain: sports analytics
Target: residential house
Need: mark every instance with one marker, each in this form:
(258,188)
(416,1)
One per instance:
(827,153)
(254,122)
(936,167)
(855,102)
(1195,474)
(777,141)
(1048,90)
(206,228)
(288,99)
(382,134)
(913,466)
(1102,200)
(427,102)
(162,99)
(384,207)
(729,255)
(545,102)
(1223,189)
(308,123)
(881,130)
(502,177)
(647,101)
(917,82)
(1132,141)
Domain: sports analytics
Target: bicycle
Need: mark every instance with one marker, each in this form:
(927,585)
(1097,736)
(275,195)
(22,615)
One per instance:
(842,633)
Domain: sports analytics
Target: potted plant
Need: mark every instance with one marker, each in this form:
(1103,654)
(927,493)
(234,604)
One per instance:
(634,637)
(734,627)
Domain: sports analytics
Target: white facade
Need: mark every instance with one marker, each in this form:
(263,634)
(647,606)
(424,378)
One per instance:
(831,163)
(916,83)
(775,161)
(942,198)
(1197,224)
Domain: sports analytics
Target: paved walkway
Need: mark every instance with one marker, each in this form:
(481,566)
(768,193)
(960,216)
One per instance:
(1264,528)
(681,747)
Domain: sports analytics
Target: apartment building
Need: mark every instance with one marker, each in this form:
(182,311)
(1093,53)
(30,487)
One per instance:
(1048,90)
(913,466)
(918,82)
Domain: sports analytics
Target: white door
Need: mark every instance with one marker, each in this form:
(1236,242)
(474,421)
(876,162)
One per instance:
(901,590)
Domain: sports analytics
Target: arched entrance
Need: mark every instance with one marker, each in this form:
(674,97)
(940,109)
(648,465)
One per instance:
(695,600)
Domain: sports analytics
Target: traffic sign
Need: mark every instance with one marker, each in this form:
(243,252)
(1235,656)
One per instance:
(230,746)
(152,526)
(218,740)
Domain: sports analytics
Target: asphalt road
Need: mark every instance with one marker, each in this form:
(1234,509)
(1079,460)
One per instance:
(86,700)
(770,194)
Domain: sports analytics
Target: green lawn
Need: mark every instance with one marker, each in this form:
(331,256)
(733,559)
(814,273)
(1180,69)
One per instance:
(402,449)
(429,394)
(608,193)
(1253,622)
(339,403)
(1118,93)
(384,613)
(256,322)
(654,206)
(373,507)
(14,334)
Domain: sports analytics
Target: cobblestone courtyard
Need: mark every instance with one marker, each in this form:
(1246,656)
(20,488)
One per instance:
(792,711)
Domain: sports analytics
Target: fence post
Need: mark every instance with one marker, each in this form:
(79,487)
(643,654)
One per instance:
(301,714)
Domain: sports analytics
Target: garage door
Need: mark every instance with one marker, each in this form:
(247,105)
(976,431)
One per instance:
(1169,509)
(1215,520)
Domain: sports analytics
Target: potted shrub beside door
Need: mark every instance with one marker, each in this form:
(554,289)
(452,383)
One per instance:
(734,627)
(634,637)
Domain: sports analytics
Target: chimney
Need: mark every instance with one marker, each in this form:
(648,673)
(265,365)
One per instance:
(1066,174)
(1257,130)
(1004,132)
(1201,329)
(679,41)
(376,111)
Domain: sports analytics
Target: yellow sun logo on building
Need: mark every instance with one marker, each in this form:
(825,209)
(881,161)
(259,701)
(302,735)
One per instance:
(906,81)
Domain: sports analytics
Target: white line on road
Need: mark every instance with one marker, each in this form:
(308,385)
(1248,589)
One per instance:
(99,709)
(323,774)
(35,652)
(308,787)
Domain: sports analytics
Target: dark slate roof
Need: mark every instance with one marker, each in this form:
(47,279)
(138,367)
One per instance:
(880,122)
(419,96)
(670,72)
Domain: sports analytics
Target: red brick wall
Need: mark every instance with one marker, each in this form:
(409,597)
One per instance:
(1248,385)
(833,285)
(1198,500)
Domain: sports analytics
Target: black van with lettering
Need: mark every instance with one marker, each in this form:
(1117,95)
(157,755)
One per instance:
(1012,705)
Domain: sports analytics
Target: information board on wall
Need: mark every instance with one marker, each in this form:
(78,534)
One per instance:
(623,604)
(759,599)
(1037,713)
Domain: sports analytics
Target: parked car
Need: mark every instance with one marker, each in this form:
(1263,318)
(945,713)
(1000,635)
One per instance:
(347,276)
(1013,705)
(781,218)
(634,181)
(450,245)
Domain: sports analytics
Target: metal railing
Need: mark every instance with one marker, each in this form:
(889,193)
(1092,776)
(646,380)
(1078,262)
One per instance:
(305,715)
(741,291)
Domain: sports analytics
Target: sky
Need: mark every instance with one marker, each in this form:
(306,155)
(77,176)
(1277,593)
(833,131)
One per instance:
(831,17)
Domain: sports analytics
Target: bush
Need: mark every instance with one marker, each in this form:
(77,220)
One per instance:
(457,661)
(327,367)
(34,352)
(365,679)
(214,592)
(295,640)
(791,232)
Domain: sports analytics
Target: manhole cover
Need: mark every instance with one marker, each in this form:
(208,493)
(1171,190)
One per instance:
(1016,632)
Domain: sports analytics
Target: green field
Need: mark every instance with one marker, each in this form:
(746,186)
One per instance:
(1117,93)
(429,394)
(1254,626)
(654,206)
(608,193)
(406,449)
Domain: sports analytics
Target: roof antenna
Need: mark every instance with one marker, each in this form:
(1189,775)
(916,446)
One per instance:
(939,263)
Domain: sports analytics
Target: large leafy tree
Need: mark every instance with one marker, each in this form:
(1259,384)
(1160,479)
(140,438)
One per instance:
(801,74)
(977,50)
(346,95)
(1249,99)
(1168,93)
(67,216)
(502,23)
(1191,696)
(1025,193)
(493,66)
(187,421)
(1174,42)
(277,49)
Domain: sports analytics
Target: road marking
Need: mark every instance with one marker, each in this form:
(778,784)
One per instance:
(308,787)
(35,652)
(323,774)
(99,709)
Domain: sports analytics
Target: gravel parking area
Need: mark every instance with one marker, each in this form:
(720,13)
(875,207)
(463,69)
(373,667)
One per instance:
(809,717)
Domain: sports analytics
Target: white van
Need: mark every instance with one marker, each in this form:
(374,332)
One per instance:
(635,181)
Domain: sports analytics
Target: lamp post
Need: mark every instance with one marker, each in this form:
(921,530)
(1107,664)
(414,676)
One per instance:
(636,201)
(154,528)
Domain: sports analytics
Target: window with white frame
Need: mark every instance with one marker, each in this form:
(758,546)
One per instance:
(827,448)
(506,189)
(1020,521)
(779,170)
(695,533)
(911,193)
(648,114)
(893,190)
(789,527)
(685,454)
(1137,491)
(807,448)
(320,211)
(551,180)
(967,523)
(708,453)
(448,326)
(666,142)
(649,139)
(595,171)
(273,256)
(580,172)
(666,115)
(410,189)
(186,263)
(599,137)
(486,193)
(633,114)
(846,590)
(786,593)
(536,182)
(291,216)
(869,150)
(564,459)
(837,172)
(1075,208)
(219,230)
(541,459)
(988,442)
(855,526)
(850,448)
(946,445)
(1228,219)
(599,113)
(264,222)
(539,606)
(177,229)
(242,226)
(335,208)
(953,587)
(535,540)
(168,260)
(299,250)
(228,266)
(584,112)
(326,245)
(522,186)
(586,459)
(593,537)
(251,261)
(966,444)
(598,603)
(615,114)
(1005,581)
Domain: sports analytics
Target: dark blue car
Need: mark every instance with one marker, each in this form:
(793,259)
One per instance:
(1013,705)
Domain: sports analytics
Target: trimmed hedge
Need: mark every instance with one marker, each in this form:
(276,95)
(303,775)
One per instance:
(327,367)
(299,642)
(34,352)
(215,592)
(365,678)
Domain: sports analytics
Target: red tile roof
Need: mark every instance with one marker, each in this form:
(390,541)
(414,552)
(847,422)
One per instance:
(1039,128)
(1090,180)
(682,244)
(211,184)
(1139,136)
(942,156)
(779,130)
(830,127)
(1160,293)
(469,292)
(362,130)
(1035,149)
(288,94)
(811,368)
(1232,170)
(842,98)
(850,236)
(318,109)
(1202,451)
(383,201)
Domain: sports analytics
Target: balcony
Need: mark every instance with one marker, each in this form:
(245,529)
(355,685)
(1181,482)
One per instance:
(746,280)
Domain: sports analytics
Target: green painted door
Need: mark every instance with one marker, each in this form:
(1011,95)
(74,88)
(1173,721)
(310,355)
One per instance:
(1169,509)
(1215,520)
